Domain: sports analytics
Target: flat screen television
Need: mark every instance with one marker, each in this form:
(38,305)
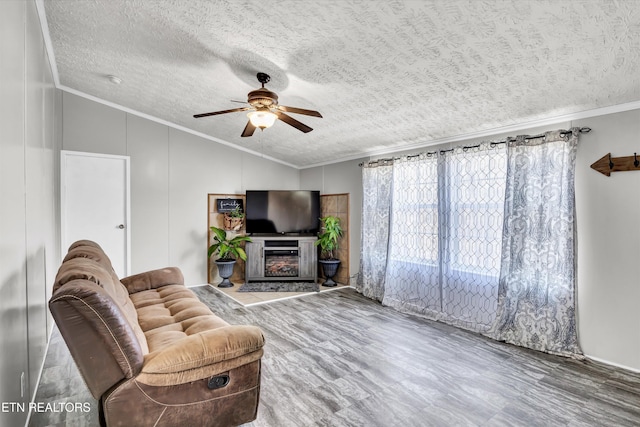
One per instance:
(283,212)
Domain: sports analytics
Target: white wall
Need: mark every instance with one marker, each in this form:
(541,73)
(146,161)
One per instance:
(344,177)
(608,219)
(171,174)
(148,146)
(29,236)
(608,215)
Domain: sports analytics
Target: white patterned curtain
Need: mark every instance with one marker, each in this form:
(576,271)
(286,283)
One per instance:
(480,237)
(374,238)
(412,281)
(536,297)
(472,185)
(446,234)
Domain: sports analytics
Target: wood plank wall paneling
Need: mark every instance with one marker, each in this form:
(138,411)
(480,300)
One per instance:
(338,205)
(215,219)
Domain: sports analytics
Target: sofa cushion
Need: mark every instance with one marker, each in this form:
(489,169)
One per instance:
(172,313)
(84,243)
(83,268)
(200,349)
(202,355)
(186,340)
(93,252)
(153,279)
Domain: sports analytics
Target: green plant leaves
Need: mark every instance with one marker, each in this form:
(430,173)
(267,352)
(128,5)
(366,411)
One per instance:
(328,240)
(220,234)
(227,249)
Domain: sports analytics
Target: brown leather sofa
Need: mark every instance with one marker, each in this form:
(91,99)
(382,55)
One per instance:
(149,350)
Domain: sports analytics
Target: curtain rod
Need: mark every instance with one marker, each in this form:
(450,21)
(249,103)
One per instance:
(467,147)
(563,133)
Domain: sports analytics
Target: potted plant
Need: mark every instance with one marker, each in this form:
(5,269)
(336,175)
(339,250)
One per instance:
(233,220)
(228,250)
(328,240)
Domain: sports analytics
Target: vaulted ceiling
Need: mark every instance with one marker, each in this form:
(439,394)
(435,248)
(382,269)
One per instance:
(386,75)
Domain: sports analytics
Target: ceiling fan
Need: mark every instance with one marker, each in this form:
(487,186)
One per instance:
(264,110)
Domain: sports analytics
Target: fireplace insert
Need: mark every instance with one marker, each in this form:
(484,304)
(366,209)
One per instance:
(281,263)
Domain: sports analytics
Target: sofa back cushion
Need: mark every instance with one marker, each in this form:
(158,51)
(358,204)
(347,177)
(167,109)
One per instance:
(99,337)
(92,271)
(93,252)
(97,318)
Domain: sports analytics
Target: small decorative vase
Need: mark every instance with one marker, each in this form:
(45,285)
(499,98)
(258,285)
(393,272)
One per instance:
(225,270)
(329,268)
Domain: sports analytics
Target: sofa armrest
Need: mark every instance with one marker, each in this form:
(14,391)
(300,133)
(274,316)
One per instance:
(153,279)
(203,354)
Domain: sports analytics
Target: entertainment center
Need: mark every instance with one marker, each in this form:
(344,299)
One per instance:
(283,226)
(281,258)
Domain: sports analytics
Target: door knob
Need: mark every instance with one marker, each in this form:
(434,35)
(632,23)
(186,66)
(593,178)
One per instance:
(121,226)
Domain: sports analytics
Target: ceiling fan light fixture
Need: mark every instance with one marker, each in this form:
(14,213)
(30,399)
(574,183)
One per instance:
(262,118)
(264,110)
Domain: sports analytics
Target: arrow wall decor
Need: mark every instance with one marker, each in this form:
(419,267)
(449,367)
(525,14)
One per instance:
(608,164)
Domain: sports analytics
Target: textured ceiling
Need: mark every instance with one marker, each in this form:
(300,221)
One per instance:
(384,74)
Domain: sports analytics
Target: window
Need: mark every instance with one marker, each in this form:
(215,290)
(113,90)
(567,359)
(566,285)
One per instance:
(446,234)
(415,211)
(472,188)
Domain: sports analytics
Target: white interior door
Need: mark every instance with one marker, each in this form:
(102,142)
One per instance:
(95,204)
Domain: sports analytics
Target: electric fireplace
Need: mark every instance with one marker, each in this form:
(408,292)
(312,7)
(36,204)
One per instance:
(281,263)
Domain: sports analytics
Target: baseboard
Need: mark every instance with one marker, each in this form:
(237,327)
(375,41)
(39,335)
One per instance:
(196,286)
(617,365)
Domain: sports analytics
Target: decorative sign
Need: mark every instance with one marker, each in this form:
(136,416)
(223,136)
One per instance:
(608,164)
(228,205)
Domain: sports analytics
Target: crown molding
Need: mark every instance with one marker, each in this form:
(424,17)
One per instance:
(603,111)
(171,125)
(46,36)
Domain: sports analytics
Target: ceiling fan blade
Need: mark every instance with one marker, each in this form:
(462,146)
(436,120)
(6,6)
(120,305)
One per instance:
(293,122)
(197,116)
(248,129)
(299,111)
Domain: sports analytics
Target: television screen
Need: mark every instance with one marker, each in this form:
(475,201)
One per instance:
(283,212)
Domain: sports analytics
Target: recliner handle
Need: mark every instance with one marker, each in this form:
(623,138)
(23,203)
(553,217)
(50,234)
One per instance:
(218,382)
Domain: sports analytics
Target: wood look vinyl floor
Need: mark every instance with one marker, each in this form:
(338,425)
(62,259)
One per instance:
(339,359)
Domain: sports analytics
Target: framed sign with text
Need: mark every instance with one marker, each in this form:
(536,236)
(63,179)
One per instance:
(228,205)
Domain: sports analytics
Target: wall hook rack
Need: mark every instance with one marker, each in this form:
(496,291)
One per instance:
(608,164)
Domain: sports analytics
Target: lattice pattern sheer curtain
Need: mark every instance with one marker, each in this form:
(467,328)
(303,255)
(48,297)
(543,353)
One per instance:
(437,246)
(446,230)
